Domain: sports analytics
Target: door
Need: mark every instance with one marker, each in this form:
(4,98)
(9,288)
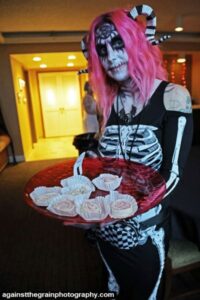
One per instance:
(61,104)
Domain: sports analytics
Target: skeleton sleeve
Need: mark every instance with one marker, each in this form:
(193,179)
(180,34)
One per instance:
(176,143)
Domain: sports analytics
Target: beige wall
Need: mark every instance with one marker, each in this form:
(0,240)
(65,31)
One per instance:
(23,106)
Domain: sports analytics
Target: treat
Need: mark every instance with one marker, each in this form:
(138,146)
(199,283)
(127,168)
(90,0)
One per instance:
(121,208)
(63,206)
(77,179)
(78,191)
(42,195)
(121,205)
(93,209)
(107,182)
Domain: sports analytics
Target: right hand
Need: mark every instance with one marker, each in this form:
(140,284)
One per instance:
(91,154)
(81,226)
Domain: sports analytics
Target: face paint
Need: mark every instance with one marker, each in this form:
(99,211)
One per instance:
(111,51)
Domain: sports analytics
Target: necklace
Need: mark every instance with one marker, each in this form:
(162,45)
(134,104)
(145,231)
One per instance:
(119,133)
(126,117)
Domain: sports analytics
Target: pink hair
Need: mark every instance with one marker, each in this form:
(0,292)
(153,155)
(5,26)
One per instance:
(145,60)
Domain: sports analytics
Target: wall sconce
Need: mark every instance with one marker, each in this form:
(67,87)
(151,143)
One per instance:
(22,83)
(181,58)
(21,90)
(179,24)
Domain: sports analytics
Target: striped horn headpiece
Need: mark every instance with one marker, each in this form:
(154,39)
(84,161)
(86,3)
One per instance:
(150,31)
(85,53)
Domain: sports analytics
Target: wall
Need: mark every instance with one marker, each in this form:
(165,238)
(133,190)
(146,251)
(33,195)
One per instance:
(196,77)
(36,106)
(23,109)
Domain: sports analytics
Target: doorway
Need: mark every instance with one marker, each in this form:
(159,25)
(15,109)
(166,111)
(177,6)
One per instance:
(55,104)
(61,104)
(61,113)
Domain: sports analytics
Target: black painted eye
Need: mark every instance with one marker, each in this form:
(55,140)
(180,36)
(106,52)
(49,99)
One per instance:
(117,43)
(102,50)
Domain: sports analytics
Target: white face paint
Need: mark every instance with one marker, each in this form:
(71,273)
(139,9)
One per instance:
(111,51)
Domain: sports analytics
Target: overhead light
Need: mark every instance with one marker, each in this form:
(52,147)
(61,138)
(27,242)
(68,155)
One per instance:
(43,66)
(37,58)
(178,29)
(179,24)
(181,59)
(70,64)
(71,57)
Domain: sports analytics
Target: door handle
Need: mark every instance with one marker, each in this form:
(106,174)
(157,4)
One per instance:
(61,109)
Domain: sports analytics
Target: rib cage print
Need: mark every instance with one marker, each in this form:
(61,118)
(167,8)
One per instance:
(146,148)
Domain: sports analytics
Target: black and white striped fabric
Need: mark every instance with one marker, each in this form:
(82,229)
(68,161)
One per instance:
(82,71)
(150,31)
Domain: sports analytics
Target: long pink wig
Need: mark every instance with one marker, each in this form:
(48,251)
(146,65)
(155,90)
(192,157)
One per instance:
(145,61)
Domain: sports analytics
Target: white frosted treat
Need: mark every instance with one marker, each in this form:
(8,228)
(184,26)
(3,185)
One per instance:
(63,206)
(78,191)
(43,195)
(121,208)
(121,205)
(107,182)
(93,209)
(77,179)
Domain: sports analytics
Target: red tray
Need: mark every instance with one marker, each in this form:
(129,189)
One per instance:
(140,181)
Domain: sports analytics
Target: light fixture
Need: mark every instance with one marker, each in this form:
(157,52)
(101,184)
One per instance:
(181,59)
(70,64)
(71,57)
(37,58)
(43,66)
(179,24)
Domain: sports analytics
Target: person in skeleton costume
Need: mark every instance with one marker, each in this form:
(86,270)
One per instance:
(145,119)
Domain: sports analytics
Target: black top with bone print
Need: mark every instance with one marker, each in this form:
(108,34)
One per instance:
(162,141)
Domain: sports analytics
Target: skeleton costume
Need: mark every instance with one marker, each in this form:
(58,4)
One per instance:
(134,250)
(158,139)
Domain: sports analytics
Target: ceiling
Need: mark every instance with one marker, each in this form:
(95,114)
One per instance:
(36,21)
(70,15)
(52,60)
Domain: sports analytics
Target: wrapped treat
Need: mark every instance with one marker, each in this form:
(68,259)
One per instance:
(78,191)
(94,209)
(43,195)
(107,182)
(77,179)
(63,206)
(121,205)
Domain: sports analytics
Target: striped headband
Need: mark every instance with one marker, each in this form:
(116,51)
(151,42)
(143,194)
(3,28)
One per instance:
(150,31)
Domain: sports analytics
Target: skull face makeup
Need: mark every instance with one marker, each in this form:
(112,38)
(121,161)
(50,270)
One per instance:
(111,51)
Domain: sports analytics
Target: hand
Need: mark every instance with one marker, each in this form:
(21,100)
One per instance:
(92,154)
(85,226)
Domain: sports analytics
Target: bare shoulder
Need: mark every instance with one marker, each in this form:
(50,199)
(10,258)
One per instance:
(177,98)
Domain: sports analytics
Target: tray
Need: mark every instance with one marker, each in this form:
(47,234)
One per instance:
(138,180)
